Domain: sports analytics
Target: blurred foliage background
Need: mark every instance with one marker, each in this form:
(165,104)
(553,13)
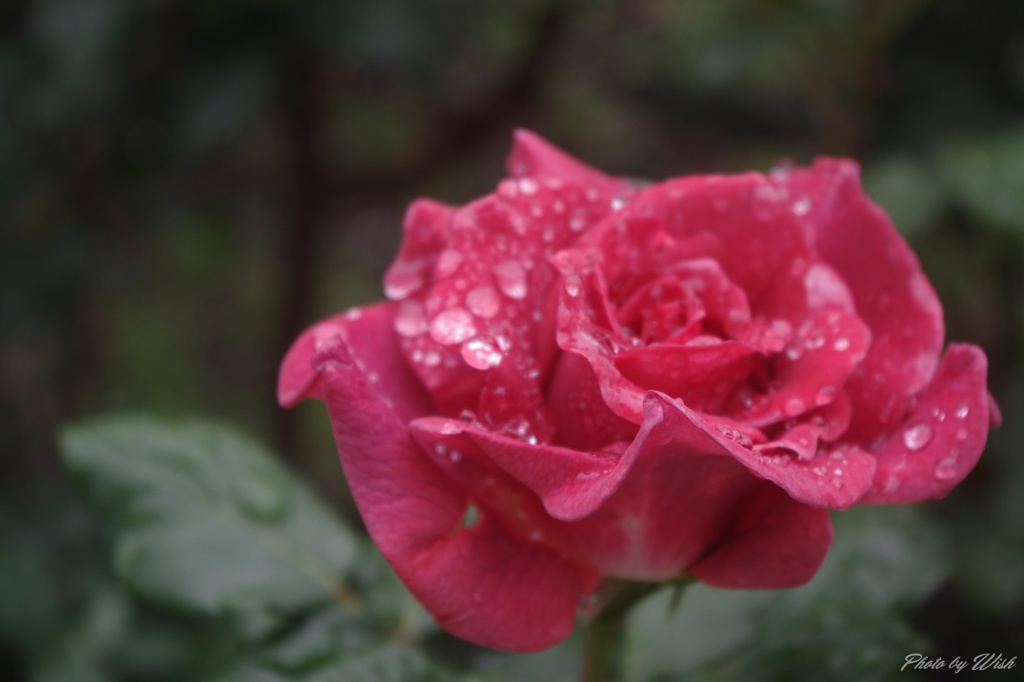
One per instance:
(185,185)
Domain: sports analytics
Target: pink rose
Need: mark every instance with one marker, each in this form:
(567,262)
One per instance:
(576,378)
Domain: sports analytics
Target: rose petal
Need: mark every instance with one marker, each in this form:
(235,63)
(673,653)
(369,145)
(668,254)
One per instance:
(891,293)
(584,421)
(368,333)
(682,498)
(584,320)
(570,484)
(534,157)
(703,376)
(481,580)
(941,441)
(774,543)
(834,479)
(760,238)
(425,231)
(826,348)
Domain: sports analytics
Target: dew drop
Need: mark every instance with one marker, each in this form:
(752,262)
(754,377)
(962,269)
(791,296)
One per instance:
(431,358)
(577,224)
(618,203)
(573,285)
(480,354)
(825,395)
(454,325)
(961,434)
(946,468)
(455,456)
(448,262)
(961,411)
(401,282)
(440,450)
(483,302)
(916,437)
(528,186)
(841,344)
(410,319)
(794,352)
(511,278)
(793,406)
(802,206)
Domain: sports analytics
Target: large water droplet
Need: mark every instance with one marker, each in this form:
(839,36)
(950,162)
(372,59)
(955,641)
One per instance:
(825,395)
(946,468)
(410,319)
(573,285)
(448,262)
(793,406)
(483,302)
(916,437)
(452,326)
(528,186)
(400,282)
(511,278)
(480,354)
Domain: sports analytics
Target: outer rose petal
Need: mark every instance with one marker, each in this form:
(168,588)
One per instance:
(570,484)
(891,293)
(533,156)
(683,500)
(939,443)
(296,379)
(483,583)
(367,332)
(775,542)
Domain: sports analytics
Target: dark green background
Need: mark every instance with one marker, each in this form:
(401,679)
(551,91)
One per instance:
(185,185)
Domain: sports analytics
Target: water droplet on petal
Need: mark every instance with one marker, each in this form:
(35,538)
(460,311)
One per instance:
(528,186)
(842,344)
(431,358)
(961,434)
(916,437)
(483,302)
(961,411)
(410,319)
(448,262)
(793,406)
(946,468)
(511,278)
(825,395)
(401,282)
(573,285)
(452,326)
(802,206)
(480,354)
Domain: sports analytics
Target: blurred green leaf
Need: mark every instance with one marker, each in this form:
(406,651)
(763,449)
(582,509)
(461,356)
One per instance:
(908,192)
(849,623)
(389,663)
(207,520)
(986,175)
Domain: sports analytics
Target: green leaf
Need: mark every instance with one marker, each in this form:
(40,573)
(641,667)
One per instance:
(986,175)
(848,623)
(207,520)
(388,663)
(907,190)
